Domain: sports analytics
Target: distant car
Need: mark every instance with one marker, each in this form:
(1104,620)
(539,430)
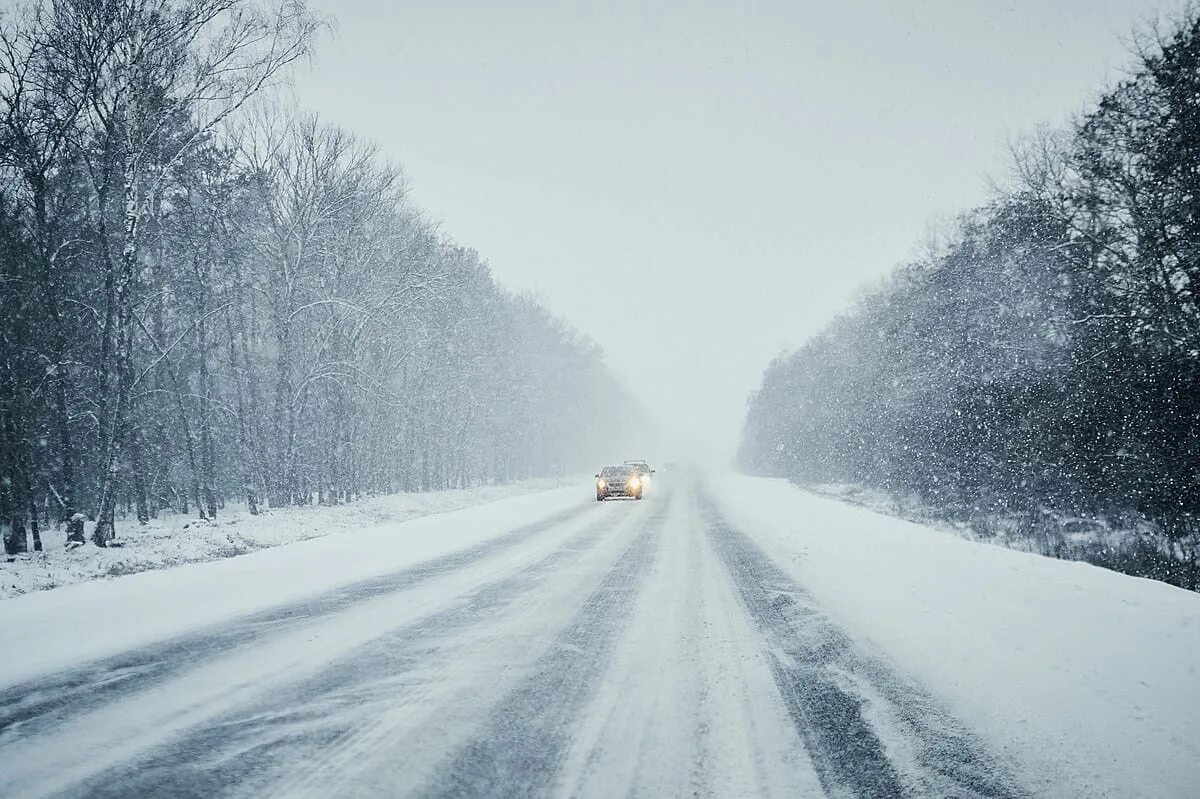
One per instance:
(643,468)
(618,481)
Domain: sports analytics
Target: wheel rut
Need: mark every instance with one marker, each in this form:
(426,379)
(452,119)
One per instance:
(521,746)
(33,707)
(869,731)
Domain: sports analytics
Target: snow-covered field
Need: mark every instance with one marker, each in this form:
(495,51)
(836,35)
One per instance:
(727,636)
(172,539)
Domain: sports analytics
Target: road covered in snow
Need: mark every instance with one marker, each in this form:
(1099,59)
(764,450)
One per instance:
(726,636)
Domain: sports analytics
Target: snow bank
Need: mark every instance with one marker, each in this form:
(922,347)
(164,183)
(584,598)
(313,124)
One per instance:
(90,620)
(1128,543)
(173,539)
(1088,679)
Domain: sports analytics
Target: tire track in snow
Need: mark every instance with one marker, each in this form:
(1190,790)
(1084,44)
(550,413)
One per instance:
(869,732)
(318,724)
(688,706)
(524,742)
(33,707)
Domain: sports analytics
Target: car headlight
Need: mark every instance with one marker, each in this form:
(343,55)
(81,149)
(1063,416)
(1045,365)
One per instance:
(634,482)
(601,484)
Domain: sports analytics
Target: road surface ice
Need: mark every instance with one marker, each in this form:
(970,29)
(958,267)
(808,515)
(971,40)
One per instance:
(722,637)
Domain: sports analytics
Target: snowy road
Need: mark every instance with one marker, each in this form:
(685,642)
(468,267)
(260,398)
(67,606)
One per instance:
(646,648)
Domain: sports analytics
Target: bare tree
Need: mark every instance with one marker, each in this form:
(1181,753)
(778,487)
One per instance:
(168,72)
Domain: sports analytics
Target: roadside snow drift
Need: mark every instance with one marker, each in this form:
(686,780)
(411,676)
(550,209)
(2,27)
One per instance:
(1089,680)
(175,539)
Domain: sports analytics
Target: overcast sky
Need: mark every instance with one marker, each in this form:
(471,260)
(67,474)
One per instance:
(700,186)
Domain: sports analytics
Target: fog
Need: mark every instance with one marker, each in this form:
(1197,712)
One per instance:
(699,187)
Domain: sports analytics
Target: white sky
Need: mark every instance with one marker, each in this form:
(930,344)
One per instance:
(700,186)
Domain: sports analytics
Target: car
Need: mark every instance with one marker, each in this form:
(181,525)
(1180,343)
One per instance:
(618,481)
(643,469)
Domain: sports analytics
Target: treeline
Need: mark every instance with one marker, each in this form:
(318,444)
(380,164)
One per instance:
(206,298)
(1044,361)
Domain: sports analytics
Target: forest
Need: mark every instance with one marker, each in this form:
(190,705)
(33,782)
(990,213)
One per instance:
(208,295)
(1040,364)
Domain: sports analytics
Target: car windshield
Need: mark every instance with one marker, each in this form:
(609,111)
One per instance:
(614,472)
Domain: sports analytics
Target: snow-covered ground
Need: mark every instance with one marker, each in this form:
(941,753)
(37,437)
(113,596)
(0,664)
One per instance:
(173,539)
(149,606)
(1120,544)
(1089,679)
(727,636)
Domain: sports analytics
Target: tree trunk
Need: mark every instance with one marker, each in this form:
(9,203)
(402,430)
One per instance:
(243,443)
(16,541)
(283,491)
(67,494)
(137,476)
(31,500)
(116,377)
